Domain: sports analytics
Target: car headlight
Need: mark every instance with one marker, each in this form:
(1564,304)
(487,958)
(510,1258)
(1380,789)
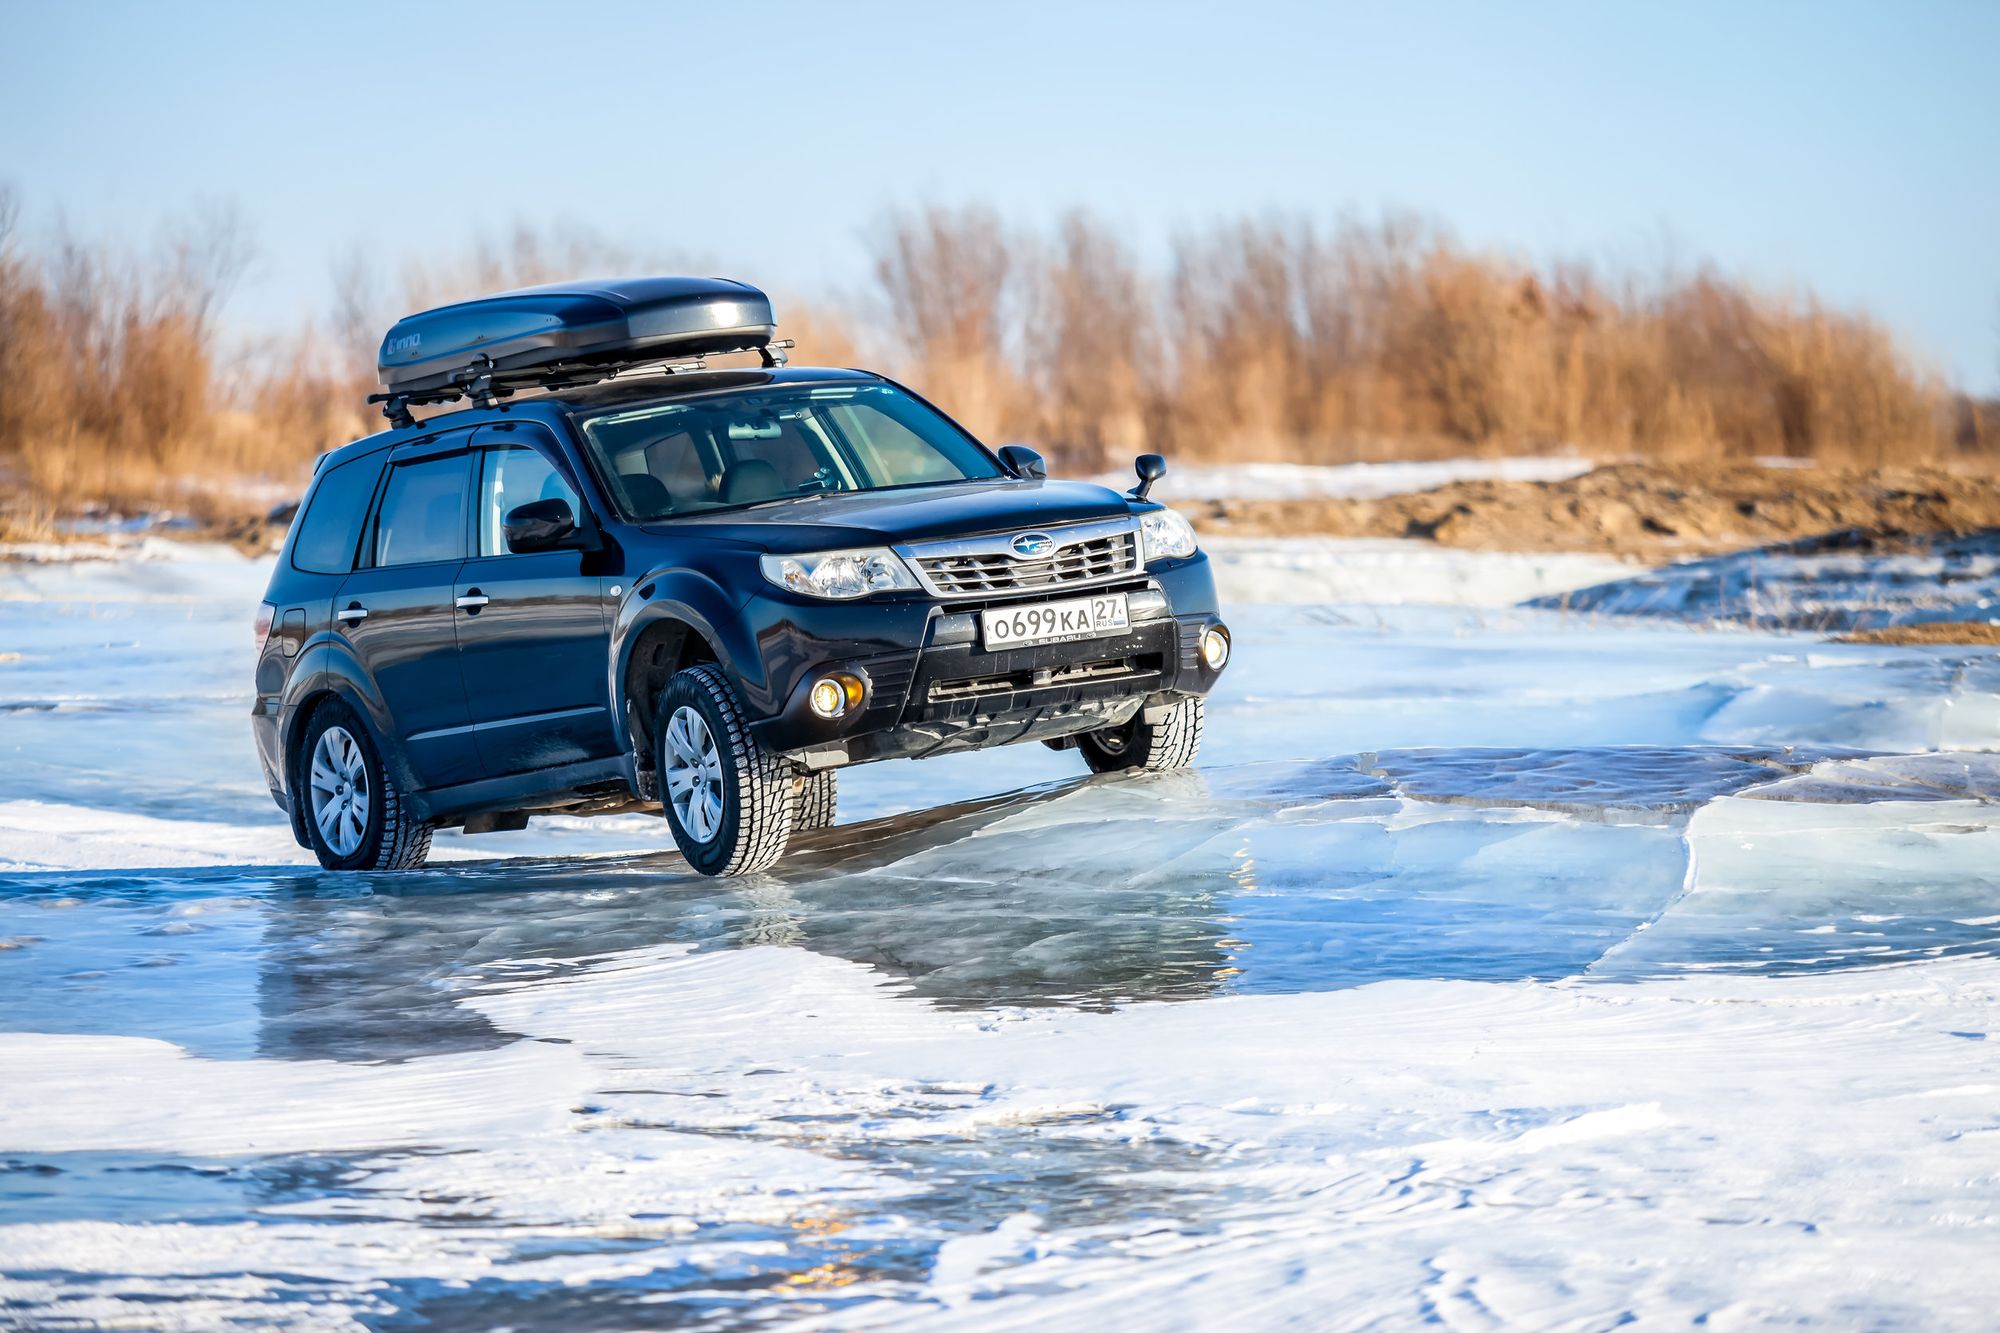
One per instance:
(1165,534)
(840,574)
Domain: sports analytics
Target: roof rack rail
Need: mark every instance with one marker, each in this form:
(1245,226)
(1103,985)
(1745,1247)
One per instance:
(481,384)
(568,334)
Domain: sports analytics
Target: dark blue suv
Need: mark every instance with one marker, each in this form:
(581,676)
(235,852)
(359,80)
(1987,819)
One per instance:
(656,585)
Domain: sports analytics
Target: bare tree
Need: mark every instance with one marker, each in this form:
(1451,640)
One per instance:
(203,258)
(1093,350)
(949,282)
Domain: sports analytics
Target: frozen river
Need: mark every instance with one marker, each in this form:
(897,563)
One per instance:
(1497,968)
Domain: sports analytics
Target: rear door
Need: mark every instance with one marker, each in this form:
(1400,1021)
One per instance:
(533,634)
(397,610)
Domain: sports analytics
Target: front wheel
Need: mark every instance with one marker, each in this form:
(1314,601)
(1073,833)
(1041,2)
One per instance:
(728,802)
(356,816)
(815,800)
(1170,743)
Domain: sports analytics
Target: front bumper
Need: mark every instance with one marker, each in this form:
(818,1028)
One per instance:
(944,692)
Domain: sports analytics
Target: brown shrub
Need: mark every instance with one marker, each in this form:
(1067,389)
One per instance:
(1285,340)
(1271,338)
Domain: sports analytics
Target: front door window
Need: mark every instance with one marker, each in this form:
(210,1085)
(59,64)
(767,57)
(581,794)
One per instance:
(514,477)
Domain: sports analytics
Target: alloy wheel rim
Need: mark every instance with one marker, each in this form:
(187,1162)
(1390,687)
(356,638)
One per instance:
(340,791)
(694,774)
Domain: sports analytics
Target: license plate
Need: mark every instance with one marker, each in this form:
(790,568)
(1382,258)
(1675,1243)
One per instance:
(1053,622)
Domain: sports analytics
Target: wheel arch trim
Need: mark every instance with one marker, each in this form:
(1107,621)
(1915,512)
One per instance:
(698,605)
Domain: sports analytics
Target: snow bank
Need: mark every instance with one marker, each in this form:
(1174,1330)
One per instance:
(1403,1124)
(1344,481)
(101,1094)
(1394,573)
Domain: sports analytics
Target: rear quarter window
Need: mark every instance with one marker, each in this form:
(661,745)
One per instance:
(330,528)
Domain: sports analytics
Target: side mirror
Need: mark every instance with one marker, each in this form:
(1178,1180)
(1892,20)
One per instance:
(540,525)
(1024,463)
(1150,467)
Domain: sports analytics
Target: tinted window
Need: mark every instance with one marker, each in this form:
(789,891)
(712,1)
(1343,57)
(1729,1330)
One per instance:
(330,528)
(890,448)
(727,450)
(423,513)
(513,477)
(676,462)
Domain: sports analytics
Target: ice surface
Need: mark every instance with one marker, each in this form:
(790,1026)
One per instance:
(1808,586)
(1498,967)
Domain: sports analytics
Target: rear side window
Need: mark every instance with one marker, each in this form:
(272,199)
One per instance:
(330,528)
(422,518)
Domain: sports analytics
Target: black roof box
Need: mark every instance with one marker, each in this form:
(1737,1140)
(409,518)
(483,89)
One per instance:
(629,321)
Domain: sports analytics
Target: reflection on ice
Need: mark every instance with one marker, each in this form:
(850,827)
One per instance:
(1634,782)
(1276,877)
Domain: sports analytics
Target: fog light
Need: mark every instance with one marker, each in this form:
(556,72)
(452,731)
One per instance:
(831,696)
(828,698)
(1215,649)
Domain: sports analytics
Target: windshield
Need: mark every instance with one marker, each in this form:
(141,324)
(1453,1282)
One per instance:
(772,444)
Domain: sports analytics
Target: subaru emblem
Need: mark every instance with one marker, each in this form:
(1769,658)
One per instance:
(1033,545)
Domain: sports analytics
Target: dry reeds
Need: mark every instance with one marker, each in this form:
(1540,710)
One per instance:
(1287,340)
(1264,339)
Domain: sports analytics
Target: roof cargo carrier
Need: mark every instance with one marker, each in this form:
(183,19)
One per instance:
(568,333)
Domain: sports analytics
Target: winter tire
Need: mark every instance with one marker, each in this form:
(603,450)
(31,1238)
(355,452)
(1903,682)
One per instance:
(355,815)
(814,798)
(1156,747)
(728,802)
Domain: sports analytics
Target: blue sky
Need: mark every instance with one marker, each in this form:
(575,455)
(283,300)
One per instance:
(1847,147)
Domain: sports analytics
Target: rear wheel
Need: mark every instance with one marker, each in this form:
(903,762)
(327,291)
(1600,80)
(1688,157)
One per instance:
(728,802)
(1170,743)
(814,798)
(355,815)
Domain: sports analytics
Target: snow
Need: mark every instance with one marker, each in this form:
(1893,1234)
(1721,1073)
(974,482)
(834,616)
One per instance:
(1396,573)
(1344,481)
(1499,967)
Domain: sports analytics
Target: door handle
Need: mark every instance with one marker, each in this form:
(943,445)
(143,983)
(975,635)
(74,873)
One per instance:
(351,615)
(472,601)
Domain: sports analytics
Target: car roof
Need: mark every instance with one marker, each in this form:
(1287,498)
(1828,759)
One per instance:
(592,397)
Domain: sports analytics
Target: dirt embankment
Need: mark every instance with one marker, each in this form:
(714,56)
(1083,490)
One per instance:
(1929,631)
(1655,511)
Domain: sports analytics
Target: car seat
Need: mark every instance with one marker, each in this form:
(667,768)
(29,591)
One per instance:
(646,494)
(750,481)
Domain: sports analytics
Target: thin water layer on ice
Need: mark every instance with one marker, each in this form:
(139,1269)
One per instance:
(1497,969)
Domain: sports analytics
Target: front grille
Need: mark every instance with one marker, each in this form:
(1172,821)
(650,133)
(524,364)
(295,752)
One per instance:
(1083,555)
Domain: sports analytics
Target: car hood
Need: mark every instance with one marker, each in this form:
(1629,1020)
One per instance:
(885,518)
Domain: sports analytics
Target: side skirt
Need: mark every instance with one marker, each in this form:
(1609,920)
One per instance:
(602,784)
